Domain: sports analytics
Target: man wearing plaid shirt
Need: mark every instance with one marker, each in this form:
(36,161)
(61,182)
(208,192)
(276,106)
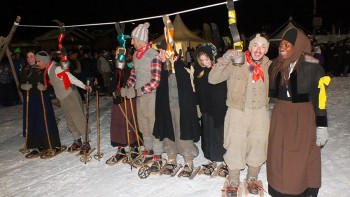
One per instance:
(142,83)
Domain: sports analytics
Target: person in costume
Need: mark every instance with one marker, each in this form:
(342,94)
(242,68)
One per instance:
(65,88)
(212,105)
(142,84)
(38,108)
(298,120)
(247,120)
(176,121)
(118,132)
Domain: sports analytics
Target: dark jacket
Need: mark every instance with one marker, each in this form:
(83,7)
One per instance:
(189,123)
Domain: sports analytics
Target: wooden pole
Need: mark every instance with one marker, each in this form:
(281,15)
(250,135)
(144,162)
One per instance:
(9,37)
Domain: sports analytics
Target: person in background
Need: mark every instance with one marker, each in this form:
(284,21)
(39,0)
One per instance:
(176,121)
(247,120)
(38,109)
(142,84)
(65,87)
(212,105)
(298,120)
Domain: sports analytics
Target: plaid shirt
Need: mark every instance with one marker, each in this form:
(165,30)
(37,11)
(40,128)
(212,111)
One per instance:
(155,79)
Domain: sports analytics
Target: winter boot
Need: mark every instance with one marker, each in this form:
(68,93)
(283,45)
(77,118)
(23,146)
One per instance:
(169,167)
(209,167)
(157,163)
(253,186)
(187,171)
(85,148)
(148,156)
(231,188)
(117,157)
(33,154)
(75,146)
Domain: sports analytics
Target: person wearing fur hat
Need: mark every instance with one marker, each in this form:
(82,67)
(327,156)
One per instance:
(38,110)
(212,106)
(142,84)
(298,120)
(65,88)
(176,121)
(247,120)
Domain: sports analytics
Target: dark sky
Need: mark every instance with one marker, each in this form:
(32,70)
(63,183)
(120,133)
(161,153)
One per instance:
(252,15)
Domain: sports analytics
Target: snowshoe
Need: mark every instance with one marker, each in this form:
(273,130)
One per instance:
(231,189)
(120,155)
(254,186)
(187,170)
(52,153)
(85,157)
(221,170)
(33,154)
(85,148)
(157,164)
(195,172)
(75,146)
(208,168)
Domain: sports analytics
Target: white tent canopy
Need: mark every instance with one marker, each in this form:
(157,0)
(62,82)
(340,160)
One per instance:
(183,36)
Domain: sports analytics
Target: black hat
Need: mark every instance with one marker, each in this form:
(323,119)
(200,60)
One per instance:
(290,35)
(162,45)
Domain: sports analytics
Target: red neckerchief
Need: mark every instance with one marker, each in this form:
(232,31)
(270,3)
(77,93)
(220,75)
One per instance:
(63,75)
(45,73)
(141,51)
(258,71)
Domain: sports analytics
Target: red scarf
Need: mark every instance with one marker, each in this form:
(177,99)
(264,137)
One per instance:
(141,51)
(45,73)
(63,75)
(258,71)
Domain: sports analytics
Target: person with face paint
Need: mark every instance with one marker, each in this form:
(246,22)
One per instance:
(247,120)
(298,120)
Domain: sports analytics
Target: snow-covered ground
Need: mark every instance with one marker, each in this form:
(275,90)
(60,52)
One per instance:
(66,175)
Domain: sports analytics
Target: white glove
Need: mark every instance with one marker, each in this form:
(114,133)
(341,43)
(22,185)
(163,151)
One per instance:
(321,136)
(122,92)
(41,87)
(130,93)
(26,86)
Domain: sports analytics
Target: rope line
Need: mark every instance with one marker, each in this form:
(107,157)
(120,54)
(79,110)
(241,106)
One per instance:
(129,21)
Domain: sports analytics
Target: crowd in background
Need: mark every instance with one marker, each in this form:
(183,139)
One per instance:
(333,56)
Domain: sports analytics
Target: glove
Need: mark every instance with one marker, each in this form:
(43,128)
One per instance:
(41,87)
(26,86)
(138,92)
(122,92)
(226,58)
(321,136)
(130,93)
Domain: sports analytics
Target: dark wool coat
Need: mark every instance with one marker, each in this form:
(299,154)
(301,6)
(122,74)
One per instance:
(189,123)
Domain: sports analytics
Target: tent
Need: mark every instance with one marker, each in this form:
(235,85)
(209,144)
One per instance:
(277,35)
(183,36)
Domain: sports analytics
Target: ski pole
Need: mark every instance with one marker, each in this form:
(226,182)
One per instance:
(85,157)
(136,131)
(99,154)
(51,152)
(25,149)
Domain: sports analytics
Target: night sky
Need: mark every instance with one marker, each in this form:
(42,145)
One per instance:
(252,15)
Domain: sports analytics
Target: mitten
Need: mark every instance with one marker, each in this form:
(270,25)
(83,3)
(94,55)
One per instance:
(122,92)
(321,136)
(26,86)
(130,93)
(41,87)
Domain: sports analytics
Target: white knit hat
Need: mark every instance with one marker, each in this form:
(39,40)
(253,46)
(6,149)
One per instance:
(43,56)
(141,32)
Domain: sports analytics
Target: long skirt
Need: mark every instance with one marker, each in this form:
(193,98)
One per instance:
(118,129)
(39,116)
(293,158)
(212,139)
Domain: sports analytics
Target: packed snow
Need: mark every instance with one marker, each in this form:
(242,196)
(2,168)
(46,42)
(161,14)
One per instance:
(66,175)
